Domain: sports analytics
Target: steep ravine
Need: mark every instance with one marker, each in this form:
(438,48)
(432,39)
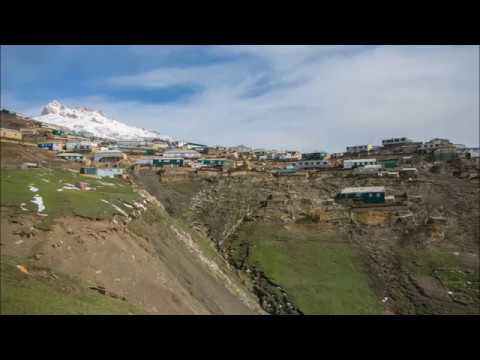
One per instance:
(217,208)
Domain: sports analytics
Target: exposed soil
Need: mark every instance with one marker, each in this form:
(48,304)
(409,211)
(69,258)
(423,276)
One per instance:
(154,271)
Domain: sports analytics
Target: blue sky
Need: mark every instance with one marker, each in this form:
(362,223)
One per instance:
(295,97)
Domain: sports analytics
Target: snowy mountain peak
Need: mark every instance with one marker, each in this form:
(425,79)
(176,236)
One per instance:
(53,107)
(92,122)
(56,107)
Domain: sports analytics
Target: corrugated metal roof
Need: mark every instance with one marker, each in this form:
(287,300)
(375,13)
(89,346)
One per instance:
(175,151)
(69,154)
(167,158)
(109,152)
(359,160)
(364,189)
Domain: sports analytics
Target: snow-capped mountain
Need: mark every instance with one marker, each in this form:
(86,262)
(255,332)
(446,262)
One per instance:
(92,122)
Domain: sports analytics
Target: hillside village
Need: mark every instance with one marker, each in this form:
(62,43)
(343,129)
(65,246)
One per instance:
(379,197)
(108,158)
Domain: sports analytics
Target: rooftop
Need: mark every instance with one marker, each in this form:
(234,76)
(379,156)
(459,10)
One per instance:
(195,144)
(180,151)
(107,153)
(359,160)
(69,154)
(364,189)
(438,139)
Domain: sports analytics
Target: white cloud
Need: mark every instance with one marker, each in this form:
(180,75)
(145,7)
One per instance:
(212,76)
(310,97)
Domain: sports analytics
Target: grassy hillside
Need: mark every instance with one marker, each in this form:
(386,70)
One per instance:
(318,270)
(449,282)
(56,188)
(38,293)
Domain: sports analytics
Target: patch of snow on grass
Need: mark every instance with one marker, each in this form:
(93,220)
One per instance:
(22,206)
(33,188)
(37,199)
(115,207)
(45,180)
(70,187)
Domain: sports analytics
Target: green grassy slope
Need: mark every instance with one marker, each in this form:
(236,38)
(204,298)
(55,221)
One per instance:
(319,271)
(42,295)
(451,275)
(15,190)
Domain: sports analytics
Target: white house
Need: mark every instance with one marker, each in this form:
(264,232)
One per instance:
(396,141)
(71,156)
(80,146)
(436,144)
(109,172)
(353,163)
(474,153)
(359,148)
(184,154)
(54,146)
(310,164)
